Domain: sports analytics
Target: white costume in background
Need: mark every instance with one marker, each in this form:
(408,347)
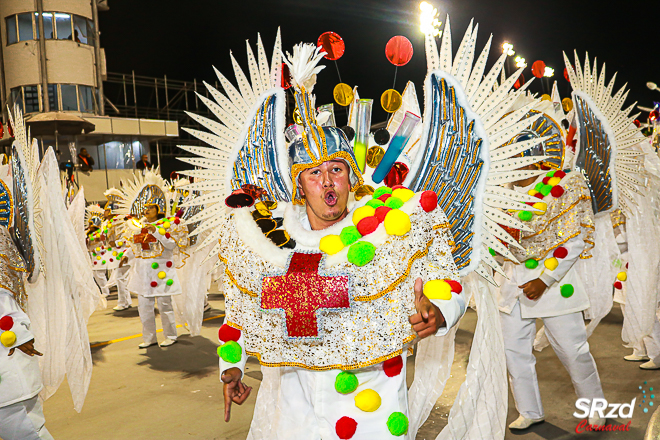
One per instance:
(21,411)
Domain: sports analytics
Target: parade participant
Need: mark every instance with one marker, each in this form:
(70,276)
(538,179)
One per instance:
(325,274)
(156,248)
(95,245)
(117,248)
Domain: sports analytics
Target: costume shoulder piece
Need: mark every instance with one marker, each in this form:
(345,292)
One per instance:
(342,297)
(564,212)
(607,138)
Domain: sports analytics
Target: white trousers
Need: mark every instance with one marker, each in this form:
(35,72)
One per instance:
(102,281)
(568,337)
(309,406)
(148,317)
(24,421)
(123,295)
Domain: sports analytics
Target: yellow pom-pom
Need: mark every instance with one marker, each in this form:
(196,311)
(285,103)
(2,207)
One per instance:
(98,249)
(331,244)
(166,225)
(360,213)
(403,193)
(161,274)
(551,263)
(542,206)
(368,400)
(554,181)
(397,222)
(9,338)
(120,243)
(162,231)
(114,253)
(437,289)
(622,276)
(98,257)
(532,192)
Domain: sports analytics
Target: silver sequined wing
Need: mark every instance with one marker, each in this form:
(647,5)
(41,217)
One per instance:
(607,138)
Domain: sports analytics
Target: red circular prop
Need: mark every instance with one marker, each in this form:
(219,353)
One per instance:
(520,82)
(397,174)
(332,45)
(399,50)
(381,212)
(392,367)
(538,69)
(367,225)
(285,80)
(566,75)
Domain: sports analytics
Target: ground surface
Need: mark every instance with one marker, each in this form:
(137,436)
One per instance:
(175,394)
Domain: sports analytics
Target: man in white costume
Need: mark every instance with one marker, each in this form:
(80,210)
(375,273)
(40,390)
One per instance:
(548,287)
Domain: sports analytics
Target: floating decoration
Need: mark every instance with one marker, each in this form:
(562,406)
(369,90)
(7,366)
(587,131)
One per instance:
(332,44)
(382,136)
(391,100)
(375,155)
(399,50)
(285,82)
(343,94)
(538,69)
(362,133)
(567,104)
(403,133)
(566,75)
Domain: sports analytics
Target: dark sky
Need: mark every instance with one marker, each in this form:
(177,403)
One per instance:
(183,39)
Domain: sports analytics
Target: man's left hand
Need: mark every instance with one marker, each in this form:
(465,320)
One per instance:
(534,289)
(428,318)
(27,348)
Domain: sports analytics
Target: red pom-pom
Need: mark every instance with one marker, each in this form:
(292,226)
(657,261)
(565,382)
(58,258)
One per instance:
(538,195)
(557,191)
(560,174)
(618,285)
(455,286)
(154,284)
(544,167)
(176,220)
(96,262)
(167,235)
(560,252)
(345,428)
(392,367)
(546,179)
(168,264)
(627,265)
(384,197)
(228,333)
(367,225)
(381,212)
(428,200)
(111,260)
(529,203)
(6,323)
(398,186)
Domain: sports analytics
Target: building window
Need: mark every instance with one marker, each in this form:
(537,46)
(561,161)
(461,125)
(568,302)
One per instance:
(85,94)
(31,96)
(90,32)
(48,25)
(25,31)
(12,37)
(63,26)
(80,29)
(69,97)
(16,97)
(53,98)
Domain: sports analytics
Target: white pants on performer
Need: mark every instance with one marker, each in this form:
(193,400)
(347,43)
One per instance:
(148,317)
(102,280)
(24,421)
(123,295)
(309,406)
(568,337)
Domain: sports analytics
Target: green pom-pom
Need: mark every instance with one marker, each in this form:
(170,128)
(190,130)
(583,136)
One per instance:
(525,216)
(539,186)
(346,382)
(382,190)
(531,264)
(375,203)
(109,249)
(397,423)
(566,290)
(492,251)
(394,203)
(154,265)
(103,262)
(545,190)
(349,235)
(551,173)
(361,253)
(121,254)
(230,352)
(169,282)
(93,254)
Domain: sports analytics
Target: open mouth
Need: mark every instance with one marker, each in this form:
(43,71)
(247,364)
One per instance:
(330,198)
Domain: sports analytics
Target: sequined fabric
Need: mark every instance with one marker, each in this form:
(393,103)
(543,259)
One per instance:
(565,218)
(12,268)
(374,327)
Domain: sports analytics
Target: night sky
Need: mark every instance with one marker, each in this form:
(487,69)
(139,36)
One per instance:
(184,39)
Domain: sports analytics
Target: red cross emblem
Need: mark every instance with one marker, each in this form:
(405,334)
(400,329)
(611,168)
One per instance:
(301,293)
(144,237)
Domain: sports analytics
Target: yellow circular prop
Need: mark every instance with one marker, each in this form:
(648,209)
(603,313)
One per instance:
(545,97)
(343,94)
(363,190)
(567,104)
(374,156)
(391,100)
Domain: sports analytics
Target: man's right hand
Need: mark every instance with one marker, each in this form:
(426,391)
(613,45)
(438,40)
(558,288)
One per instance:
(123,261)
(234,390)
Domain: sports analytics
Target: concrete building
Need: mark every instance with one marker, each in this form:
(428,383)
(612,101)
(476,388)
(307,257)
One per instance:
(53,66)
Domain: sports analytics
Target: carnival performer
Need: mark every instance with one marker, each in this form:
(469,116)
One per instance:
(117,248)
(156,246)
(326,268)
(96,246)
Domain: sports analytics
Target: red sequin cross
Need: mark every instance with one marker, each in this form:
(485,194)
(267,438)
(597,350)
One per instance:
(301,292)
(144,237)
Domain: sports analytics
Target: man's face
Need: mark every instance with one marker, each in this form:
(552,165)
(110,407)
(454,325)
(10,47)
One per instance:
(107,214)
(144,157)
(151,213)
(326,188)
(83,152)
